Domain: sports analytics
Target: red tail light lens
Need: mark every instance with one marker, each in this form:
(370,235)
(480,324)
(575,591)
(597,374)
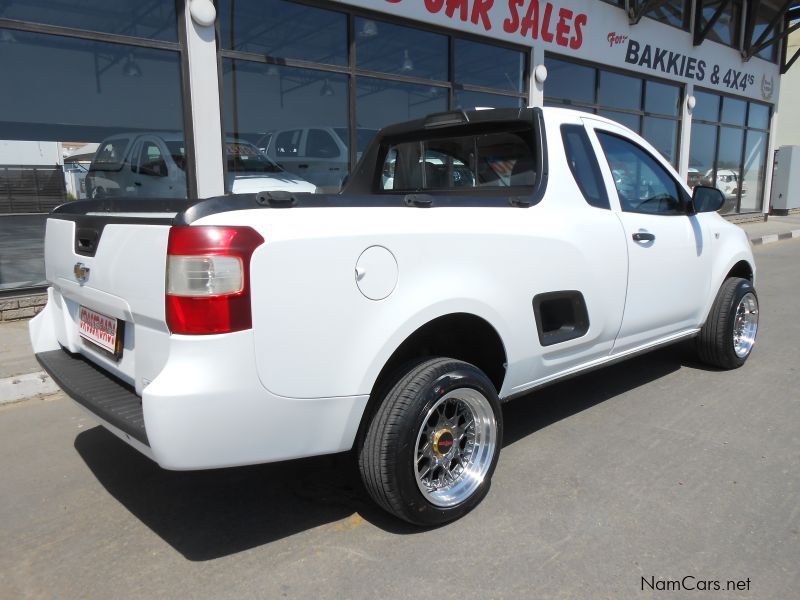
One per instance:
(208,279)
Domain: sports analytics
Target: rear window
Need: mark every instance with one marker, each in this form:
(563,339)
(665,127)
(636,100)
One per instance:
(110,155)
(486,161)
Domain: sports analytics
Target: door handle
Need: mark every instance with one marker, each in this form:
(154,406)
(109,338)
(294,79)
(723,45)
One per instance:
(137,183)
(643,237)
(302,166)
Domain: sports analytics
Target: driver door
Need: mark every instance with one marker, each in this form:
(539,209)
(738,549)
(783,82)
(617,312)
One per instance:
(152,177)
(668,258)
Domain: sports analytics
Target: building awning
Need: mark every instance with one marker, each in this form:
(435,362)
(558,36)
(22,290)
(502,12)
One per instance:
(785,20)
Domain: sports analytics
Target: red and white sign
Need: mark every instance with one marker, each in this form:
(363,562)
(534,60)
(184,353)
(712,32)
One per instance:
(98,329)
(598,32)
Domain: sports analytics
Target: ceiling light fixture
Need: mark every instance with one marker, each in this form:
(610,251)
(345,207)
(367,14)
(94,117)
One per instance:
(7,36)
(369,29)
(131,68)
(326,89)
(408,64)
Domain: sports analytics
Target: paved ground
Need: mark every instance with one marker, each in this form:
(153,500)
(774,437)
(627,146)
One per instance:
(21,250)
(653,468)
(16,355)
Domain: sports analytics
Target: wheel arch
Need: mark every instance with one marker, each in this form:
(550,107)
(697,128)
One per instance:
(741,269)
(742,266)
(458,335)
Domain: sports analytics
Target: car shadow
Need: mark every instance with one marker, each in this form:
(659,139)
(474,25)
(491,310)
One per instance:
(210,514)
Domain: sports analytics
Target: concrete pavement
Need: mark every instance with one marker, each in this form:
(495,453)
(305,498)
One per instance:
(653,470)
(20,375)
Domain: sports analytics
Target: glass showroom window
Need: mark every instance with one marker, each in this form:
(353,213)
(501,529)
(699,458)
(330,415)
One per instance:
(311,100)
(89,112)
(729,149)
(648,107)
(407,54)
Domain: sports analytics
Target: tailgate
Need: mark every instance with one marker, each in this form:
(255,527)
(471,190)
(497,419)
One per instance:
(108,277)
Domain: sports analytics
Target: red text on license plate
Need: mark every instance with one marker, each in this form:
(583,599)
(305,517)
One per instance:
(98,329)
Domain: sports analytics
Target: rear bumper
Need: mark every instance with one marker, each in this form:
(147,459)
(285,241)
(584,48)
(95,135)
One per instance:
(107,397)
(206,408)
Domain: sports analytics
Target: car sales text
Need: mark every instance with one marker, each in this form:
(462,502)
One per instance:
(527,18)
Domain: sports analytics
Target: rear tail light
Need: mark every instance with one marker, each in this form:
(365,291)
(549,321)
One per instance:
(208,287)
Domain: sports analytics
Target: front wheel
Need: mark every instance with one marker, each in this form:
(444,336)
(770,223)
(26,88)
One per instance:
(729,334)
(432,446)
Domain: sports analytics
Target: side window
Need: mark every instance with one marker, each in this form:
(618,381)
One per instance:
(583,164)
(643,185)
(320,144)
(288,143)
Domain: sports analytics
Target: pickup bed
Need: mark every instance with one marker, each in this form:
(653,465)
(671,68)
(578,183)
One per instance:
(470,259)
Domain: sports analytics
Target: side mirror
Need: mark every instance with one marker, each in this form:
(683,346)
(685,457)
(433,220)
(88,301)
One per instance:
(707,199)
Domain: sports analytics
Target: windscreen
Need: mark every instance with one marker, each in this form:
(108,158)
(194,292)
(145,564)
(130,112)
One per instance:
(111,155)
(243,157)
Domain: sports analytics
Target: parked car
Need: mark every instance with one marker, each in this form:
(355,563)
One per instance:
(154,165)
(513,248)
(319,154)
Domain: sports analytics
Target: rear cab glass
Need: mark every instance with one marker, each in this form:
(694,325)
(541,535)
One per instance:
(469,162)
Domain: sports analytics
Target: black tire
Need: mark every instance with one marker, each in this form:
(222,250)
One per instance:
(715,342)
(387,453)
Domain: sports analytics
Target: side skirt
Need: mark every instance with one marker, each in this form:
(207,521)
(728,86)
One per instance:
(598,364)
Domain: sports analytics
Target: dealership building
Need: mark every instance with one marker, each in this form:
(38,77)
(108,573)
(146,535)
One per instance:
(176,96)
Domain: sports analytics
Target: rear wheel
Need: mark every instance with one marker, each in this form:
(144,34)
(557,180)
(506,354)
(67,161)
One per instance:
(432,446)
(728,336)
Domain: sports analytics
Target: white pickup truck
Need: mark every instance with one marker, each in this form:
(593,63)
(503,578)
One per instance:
(508,249)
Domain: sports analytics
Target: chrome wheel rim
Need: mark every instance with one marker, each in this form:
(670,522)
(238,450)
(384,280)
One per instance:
(456,444)
(745,325)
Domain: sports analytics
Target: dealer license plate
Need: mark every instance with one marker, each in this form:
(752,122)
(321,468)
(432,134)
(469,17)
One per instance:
(101,330)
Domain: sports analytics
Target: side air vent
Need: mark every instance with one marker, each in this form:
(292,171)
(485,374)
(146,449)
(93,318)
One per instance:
(560,316)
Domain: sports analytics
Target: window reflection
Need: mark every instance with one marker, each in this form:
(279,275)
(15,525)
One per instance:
(400,50)
(726,29)
(734,111)
(468,100)
(620,91)
(671,12)
(729,159)
(283,29)
(755,156)
(155,19)
(650,108)
(766,10)
(70,98)
(706,107)
(296,115)
(729,149)
(569,81)
(702,154)
(663,134)
(488,66)
(380,103)
(662,98)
